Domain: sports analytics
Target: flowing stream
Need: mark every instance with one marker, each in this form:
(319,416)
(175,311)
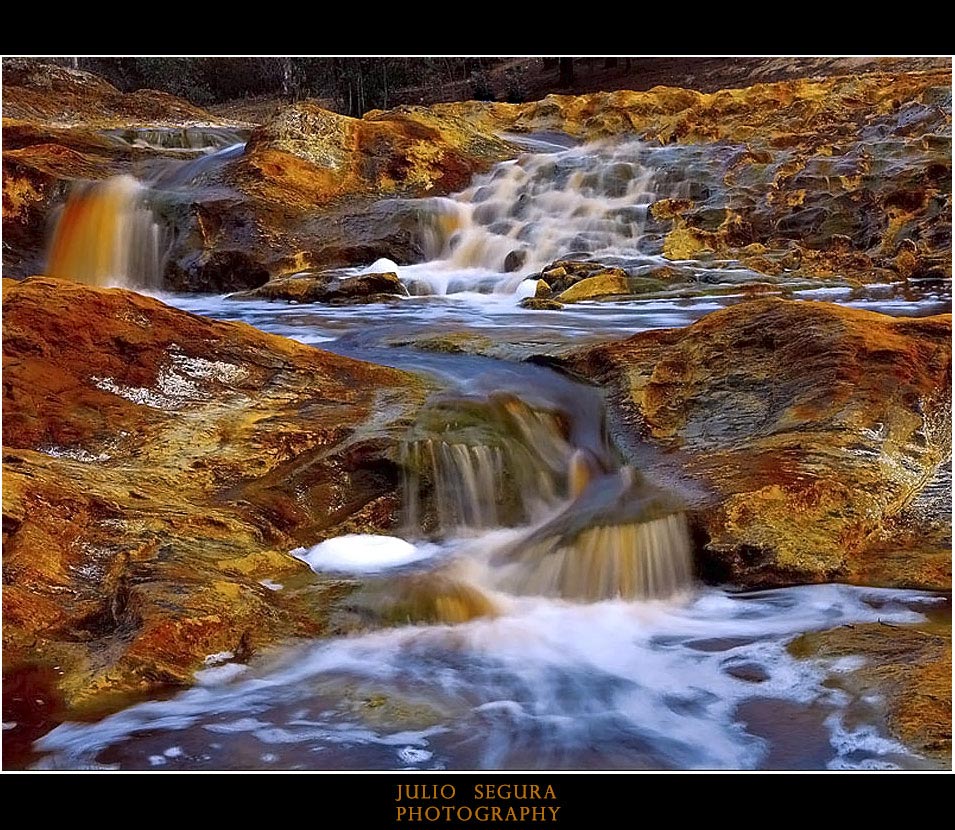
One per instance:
(538,609)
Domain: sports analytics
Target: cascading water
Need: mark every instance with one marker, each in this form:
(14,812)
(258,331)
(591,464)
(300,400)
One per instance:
(587,201)
(555,621)
(608,555)
(107,235)
(479,463)
(593,530)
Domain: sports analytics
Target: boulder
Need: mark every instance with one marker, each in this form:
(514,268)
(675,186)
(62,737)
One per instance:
(540,304)
(602,284)
(157,468)
(307,155)
(329,287)
(804,431)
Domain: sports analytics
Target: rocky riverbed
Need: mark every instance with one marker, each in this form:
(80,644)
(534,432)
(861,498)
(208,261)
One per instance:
(752,285)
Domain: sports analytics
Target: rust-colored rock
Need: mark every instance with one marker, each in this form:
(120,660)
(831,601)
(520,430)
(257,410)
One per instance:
(329,287)
(908,667)
(157,467)
(59,95)
(809,427)
(307,154)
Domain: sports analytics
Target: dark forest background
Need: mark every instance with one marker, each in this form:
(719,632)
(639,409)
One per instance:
(351,85)
(254,86)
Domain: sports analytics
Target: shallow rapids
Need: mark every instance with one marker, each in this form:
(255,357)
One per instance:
(705,682)
(538,607)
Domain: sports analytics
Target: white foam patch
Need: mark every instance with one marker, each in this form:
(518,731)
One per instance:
(219,674)
(362,553)
(865,740)
(527,288)
(382,265)
(411,755)
(217,658)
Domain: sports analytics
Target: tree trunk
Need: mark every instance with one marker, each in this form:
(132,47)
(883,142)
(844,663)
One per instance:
(286,78)
(566,71)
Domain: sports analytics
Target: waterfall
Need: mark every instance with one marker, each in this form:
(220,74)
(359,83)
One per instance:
(588,201)
(483,464)
(584,528)
(634,560)
(107,235)
(620,537)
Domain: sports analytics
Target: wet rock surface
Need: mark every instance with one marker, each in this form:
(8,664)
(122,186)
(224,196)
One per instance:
(329,287)
(908,668)
(811,429)
(157,467)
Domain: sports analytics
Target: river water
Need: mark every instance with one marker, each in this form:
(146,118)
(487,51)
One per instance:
(537,609)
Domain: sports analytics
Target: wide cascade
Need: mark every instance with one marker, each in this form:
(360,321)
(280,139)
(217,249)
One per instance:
(587,201)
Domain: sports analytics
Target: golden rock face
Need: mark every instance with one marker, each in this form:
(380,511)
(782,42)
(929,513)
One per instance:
(809,427)
(910,666)
(846,176)
(157,466)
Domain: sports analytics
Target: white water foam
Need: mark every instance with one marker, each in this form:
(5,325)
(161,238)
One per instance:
(363,553)
(547,684)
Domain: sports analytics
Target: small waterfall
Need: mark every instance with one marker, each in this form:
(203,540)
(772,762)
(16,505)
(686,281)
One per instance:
(620,538)
(592,530)
(590,201)
(473,464)
(107,235)
(645,560)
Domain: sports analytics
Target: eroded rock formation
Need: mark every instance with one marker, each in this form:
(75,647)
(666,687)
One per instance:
(810,427)
(157,467)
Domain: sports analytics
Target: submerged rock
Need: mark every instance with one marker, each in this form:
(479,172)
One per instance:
(157,467)
(540,304)
(908,667)
(329,287)
(808,427)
